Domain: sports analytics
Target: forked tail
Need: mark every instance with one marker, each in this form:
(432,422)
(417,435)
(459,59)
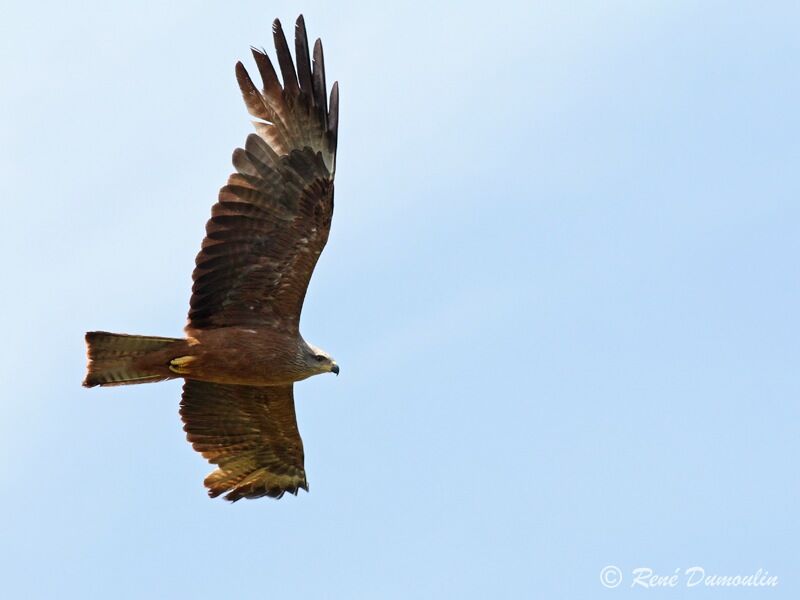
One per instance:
(121,359)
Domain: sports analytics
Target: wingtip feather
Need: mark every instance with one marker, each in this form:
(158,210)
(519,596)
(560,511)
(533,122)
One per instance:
(333,111)
(302,58)
(285,59)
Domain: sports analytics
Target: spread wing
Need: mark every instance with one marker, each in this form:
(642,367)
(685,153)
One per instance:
(272,219)
(250,433)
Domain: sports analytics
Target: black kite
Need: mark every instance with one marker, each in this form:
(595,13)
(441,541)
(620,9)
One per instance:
(243,350)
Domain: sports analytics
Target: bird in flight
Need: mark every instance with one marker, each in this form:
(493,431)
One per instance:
(243,350)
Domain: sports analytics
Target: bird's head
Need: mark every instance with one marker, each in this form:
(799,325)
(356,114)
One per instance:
(320,361)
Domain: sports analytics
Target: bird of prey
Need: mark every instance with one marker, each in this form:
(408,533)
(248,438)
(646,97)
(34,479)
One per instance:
(243,350)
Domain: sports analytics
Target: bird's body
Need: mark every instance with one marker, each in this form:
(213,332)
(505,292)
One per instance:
(243,349)
(252,356)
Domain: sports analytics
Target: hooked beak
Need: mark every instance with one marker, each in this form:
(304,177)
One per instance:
(335,368)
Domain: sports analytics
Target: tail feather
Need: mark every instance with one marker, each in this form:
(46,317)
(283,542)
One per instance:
(121,359)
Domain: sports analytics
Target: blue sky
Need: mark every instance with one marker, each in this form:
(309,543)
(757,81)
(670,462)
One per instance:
(562,285)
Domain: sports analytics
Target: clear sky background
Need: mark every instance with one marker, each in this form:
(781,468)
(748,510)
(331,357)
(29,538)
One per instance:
(562,285)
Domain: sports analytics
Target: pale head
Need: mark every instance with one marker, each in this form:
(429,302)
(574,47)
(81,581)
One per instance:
(319,361)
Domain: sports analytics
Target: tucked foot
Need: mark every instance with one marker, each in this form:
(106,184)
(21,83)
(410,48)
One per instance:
(181,364)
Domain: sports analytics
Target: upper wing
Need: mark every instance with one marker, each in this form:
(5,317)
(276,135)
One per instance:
(250,433)
(272,219)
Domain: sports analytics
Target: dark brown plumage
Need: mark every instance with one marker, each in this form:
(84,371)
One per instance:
(250,433)
(243,349)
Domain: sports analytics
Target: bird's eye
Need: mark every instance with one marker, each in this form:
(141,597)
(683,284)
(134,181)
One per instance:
(319,357)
